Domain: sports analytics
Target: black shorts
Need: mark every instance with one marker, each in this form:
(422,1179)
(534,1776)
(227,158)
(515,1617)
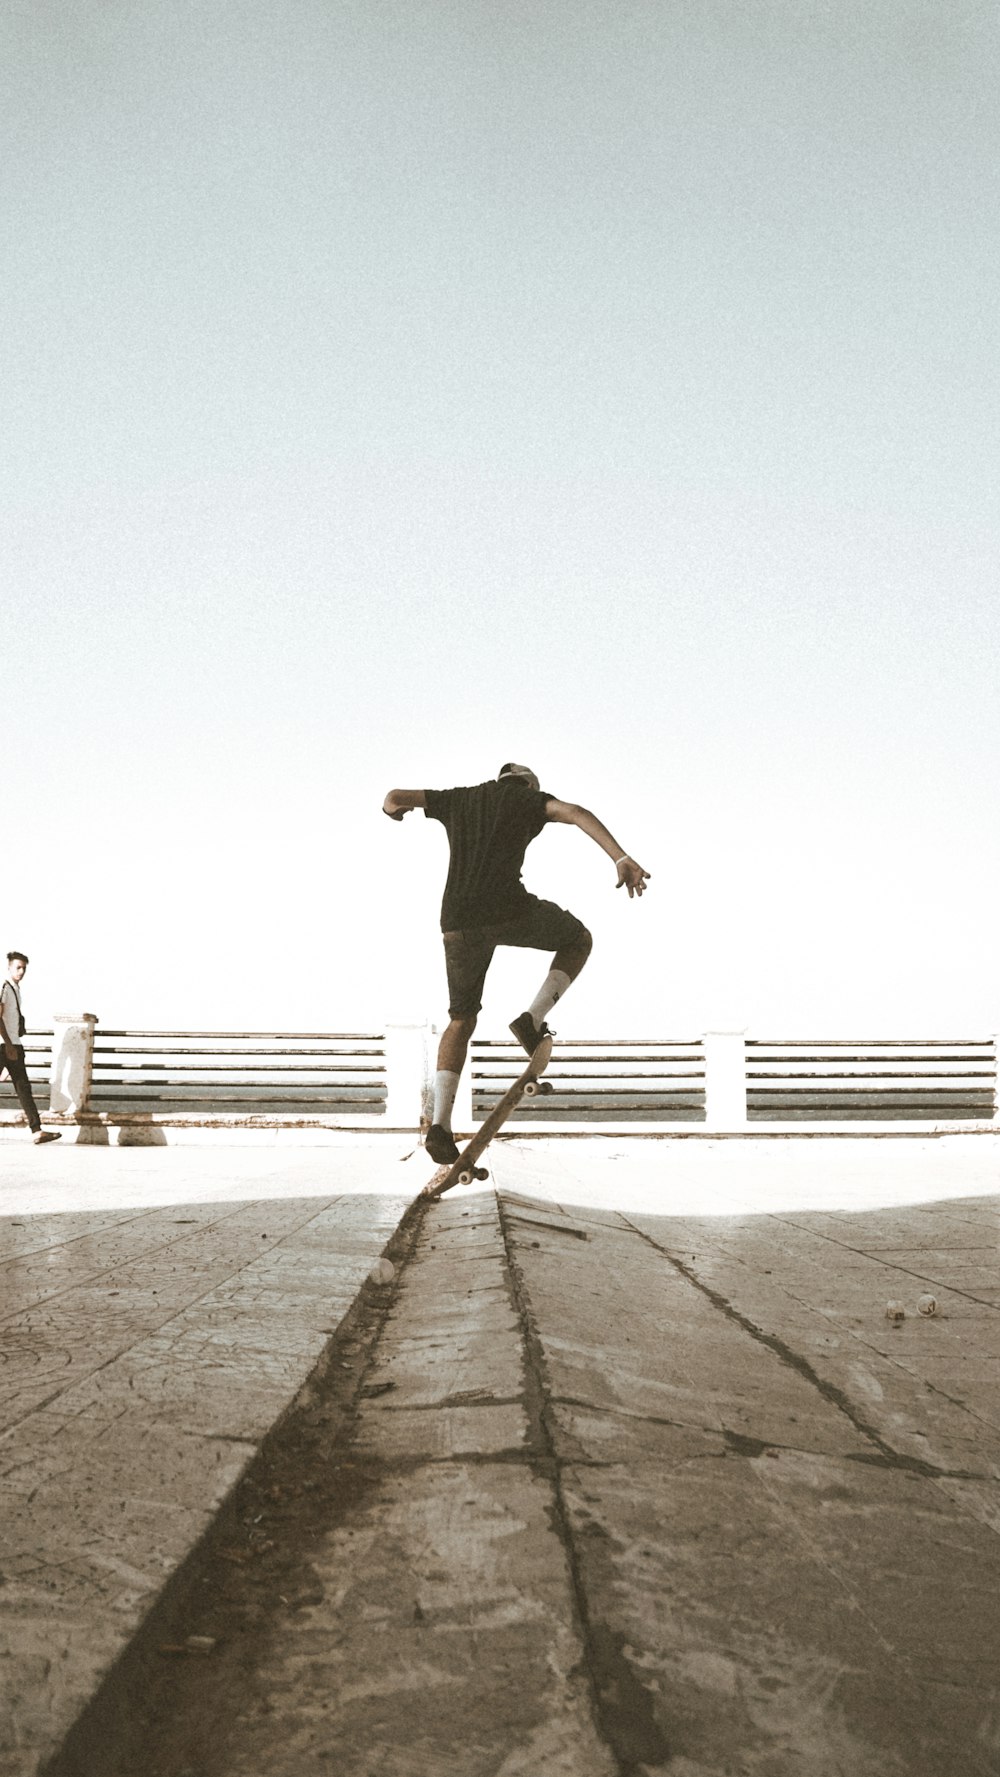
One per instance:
(468,954)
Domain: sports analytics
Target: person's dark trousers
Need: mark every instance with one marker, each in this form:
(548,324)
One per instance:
(22,1086)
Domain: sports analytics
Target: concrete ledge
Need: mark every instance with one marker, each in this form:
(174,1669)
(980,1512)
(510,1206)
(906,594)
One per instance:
(146,1128)
(855,1129)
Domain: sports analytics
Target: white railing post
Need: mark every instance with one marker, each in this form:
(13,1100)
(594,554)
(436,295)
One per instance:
(406,1074)
(996,1078)
(725,1079)
(72,1062)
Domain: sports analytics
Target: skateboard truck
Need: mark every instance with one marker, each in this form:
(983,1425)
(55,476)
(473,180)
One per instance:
(527,1085)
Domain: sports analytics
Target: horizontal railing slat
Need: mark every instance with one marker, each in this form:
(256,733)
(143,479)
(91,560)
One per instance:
(147,1045)
(242,1099)
(932,1057)
(851,1082)
(600,1043)
(904,1044)
(877,1113)
(270,1036)
(160,1069)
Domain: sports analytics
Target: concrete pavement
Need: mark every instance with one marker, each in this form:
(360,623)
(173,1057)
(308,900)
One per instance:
(159,1309)
(626,1472)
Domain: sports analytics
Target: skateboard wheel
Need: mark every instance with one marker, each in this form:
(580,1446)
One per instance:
(466,1177)
(531,1089)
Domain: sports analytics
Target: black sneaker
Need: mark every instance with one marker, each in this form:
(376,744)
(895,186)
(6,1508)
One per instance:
(528,1033)
(441,1144)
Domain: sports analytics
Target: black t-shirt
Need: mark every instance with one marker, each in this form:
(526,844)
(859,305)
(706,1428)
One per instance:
(489,828)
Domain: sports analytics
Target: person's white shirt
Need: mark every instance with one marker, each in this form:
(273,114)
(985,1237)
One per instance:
(10,1012)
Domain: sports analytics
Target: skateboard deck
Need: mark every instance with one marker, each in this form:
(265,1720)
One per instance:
(463,1170)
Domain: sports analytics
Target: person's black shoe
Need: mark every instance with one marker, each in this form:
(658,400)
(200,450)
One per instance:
(441,1145)
(44,1135)
(528,1033)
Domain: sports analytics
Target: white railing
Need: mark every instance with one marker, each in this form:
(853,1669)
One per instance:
(870,1081)
(637,1081)
(263,1073)
(721,1082)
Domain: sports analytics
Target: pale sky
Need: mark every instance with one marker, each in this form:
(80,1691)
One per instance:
(390,389)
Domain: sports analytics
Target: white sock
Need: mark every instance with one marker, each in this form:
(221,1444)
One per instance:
(445,1088)
(552,989)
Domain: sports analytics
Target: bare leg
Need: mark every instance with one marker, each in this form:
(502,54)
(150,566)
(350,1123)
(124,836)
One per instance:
(571,958)
(566,966)
(452,1050)
(454,1044)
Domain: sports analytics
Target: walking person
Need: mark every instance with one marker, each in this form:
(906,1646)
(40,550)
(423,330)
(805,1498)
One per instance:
(489,828)
(11,1031)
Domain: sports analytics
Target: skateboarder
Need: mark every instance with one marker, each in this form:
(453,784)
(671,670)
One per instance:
(12,1049)
(489,828)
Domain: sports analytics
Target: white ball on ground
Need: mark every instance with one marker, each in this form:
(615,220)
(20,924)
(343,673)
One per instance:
(927,1304)
(383,1271)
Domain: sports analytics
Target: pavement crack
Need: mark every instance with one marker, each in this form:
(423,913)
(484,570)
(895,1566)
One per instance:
(472,1398)
(913,1465)
(551,1227)
(795,1361)
(884,1257)
(623,1708)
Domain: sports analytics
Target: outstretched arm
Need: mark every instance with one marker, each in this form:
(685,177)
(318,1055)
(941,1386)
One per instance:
(399,802)
(630,874)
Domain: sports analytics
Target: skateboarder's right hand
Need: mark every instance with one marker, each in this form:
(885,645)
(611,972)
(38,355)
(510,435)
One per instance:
(631,876)
(399,802)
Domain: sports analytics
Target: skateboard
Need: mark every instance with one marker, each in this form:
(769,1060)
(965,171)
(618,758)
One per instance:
(527,1085)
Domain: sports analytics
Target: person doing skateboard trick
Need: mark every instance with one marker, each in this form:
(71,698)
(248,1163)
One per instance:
(489,828)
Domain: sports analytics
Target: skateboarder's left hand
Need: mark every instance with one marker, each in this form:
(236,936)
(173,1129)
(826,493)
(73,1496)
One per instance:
(631,876)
